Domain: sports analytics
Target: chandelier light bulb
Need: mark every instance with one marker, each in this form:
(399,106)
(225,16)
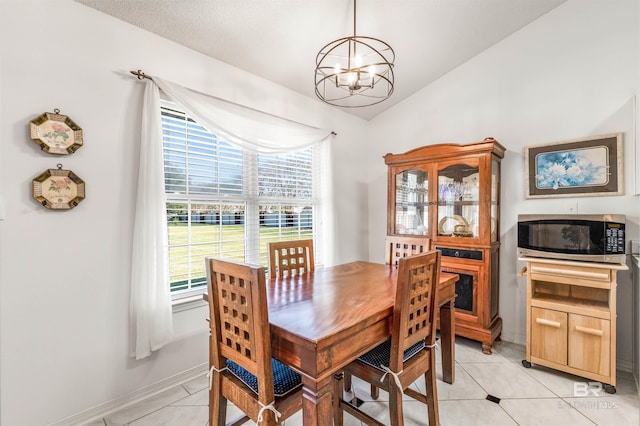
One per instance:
(372,71)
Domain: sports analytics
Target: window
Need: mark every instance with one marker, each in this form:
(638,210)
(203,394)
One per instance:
(227,202)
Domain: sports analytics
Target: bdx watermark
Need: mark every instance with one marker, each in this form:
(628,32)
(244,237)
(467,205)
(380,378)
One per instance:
(589,389)
(581,389)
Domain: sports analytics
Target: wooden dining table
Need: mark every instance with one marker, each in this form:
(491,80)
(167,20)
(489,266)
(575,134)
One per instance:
(323,320)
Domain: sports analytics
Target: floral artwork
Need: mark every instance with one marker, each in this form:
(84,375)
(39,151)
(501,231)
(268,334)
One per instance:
(58,189)
(60,185)
(56,133)
(579,167)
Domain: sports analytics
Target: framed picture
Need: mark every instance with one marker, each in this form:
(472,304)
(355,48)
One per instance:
(575,168)
(56,133)
(58,189)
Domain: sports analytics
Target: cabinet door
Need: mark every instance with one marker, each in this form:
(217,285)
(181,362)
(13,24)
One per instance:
(589,344)
(459,199)
(466,288)
(549,335)
(495,199)
(410,192)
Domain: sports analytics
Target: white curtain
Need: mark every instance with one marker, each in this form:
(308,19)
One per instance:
(242,126)
(150,309)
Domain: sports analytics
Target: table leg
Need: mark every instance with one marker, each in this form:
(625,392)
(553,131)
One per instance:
(447,341)
(338,389)
(317,409)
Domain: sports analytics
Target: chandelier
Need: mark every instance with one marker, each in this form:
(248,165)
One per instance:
(354,71)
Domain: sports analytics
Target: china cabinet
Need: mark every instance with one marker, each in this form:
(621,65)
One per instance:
(450,194)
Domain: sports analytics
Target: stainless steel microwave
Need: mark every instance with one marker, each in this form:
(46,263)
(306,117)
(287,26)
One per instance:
(591,238)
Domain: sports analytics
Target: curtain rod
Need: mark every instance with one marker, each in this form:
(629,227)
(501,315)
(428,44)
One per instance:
(140,75)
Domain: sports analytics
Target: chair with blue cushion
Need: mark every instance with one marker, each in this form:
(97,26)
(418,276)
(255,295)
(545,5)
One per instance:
(397,247)
(410,352)
(241,368)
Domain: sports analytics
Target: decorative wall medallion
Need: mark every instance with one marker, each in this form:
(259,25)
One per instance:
(56,133)
(58,189)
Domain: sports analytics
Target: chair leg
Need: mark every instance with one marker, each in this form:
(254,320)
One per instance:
(347,382)
(396,415)
(375,392)
(217,402)
(432,393)
(337,389)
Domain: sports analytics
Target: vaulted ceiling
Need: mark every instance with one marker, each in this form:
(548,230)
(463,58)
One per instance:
(279,39)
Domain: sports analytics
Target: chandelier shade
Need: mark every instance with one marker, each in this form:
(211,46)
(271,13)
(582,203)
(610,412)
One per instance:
(354,71)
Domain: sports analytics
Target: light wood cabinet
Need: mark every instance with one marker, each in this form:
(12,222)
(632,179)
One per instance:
(571,317)
(549,335)
(450,194)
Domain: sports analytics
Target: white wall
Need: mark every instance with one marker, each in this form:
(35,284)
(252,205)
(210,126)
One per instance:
(571,73)
(64,275)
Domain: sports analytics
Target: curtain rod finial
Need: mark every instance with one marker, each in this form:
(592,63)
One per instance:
(140,74)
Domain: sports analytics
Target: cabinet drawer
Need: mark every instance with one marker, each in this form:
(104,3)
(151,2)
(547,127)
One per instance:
(460,253)
(570,274)
(590,344)
(549,335)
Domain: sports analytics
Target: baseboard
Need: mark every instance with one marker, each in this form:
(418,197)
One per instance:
(624,365)
(126,400)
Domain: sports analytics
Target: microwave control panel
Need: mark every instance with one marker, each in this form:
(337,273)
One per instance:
(614,238)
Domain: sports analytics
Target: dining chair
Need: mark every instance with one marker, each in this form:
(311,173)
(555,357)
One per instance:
(398,247)
(287,258)
(241,369)
(410,352)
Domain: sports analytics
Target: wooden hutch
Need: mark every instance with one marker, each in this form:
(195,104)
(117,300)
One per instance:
(450,194)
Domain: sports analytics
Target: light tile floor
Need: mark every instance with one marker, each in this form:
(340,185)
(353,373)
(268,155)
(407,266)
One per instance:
(527,397)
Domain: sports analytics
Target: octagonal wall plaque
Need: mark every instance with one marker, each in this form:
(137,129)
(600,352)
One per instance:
(58,189)
(56,133)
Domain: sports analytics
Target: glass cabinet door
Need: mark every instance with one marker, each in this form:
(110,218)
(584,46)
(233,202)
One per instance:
(458,200)
(412,198)
(495,193)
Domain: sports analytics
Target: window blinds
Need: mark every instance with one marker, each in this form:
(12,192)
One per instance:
(226,202)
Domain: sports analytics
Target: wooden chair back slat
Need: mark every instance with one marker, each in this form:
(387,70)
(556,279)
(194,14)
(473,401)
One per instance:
(240,322)
(288,258)
(414,317)
(413,325)
(399,247)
